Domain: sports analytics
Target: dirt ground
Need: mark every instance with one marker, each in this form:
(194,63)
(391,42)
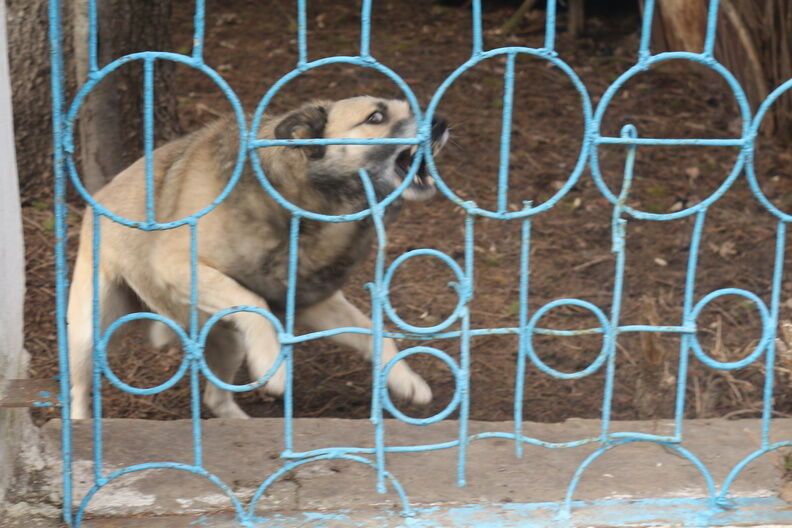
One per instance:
(253,45)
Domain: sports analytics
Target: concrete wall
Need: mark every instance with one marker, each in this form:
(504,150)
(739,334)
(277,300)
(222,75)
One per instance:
(13,360)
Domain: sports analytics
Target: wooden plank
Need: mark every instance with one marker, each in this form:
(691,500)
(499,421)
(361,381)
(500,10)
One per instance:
(30,393)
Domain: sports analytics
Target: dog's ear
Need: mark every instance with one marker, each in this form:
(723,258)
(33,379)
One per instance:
(305,123)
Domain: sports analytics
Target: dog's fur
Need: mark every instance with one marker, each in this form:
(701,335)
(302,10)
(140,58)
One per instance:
(243,243)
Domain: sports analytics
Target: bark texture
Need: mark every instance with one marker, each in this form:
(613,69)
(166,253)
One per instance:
(110,122)
(28,50)
(754,41)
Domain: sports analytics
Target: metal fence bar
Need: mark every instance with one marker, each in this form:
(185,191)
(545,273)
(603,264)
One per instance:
(550,26)
(684,351)
(618,234)
(93,38)
(505,145)
(57,79)
(464,346)
(379,380)
(193,351)
(646,30)
(519,385)
(385,321)
(262,143)
(291,294)
(365,29)
(199,22)
(302,32)
(478,39)
(775,303)
(98,355)
(667,142)
(148,136)
(712,28)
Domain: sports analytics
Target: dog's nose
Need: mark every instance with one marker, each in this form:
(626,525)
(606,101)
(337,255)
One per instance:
(439,126)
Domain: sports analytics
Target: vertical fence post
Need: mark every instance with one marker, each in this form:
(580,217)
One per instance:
(61,270)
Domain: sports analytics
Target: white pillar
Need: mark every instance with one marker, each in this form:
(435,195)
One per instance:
(13,359)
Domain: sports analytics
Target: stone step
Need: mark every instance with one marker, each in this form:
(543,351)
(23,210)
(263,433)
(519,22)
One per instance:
(632,484)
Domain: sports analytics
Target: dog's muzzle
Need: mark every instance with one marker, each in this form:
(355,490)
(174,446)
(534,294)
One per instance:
(422,186)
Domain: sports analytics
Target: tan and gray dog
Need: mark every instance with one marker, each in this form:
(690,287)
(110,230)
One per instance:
(243,243)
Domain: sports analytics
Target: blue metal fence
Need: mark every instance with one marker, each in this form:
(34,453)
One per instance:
(457,326)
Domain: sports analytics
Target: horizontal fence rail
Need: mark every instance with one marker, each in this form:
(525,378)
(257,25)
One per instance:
(457,326)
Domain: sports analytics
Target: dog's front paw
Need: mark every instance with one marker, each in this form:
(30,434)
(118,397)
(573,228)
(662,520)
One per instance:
(408,385)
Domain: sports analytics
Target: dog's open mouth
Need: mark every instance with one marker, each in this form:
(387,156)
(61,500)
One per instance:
(422,182)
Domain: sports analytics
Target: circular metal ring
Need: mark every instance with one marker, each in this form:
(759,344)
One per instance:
(442,356)
(760,346)
(204,334)
(115,380)
(461,299)
(641,67)
(544,367)
(96,78)
(585,145)
(750,169)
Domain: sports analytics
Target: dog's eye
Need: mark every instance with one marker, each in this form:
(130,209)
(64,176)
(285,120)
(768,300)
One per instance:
(376,118)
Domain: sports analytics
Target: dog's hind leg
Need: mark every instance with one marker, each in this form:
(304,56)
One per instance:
(338,312)
(115,300)
(224,355)
(160,336)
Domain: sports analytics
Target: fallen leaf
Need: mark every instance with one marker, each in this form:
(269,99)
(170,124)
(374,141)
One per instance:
(727,249)
(693,173)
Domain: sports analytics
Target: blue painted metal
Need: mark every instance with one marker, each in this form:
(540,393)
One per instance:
(673,512)
(709,510)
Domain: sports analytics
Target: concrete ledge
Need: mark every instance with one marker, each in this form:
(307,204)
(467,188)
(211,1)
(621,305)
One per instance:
(672,513)
(500,490)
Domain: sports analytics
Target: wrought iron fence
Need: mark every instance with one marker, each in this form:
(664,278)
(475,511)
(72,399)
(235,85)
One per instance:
(457,326)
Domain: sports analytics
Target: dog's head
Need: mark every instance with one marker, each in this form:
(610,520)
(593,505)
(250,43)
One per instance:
(363,117)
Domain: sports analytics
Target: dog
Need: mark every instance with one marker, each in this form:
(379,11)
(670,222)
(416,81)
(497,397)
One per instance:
(243,243)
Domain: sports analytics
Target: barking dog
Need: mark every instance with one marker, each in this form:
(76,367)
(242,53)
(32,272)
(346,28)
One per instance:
(243,244)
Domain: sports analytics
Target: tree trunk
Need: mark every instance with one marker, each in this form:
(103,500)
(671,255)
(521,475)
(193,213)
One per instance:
(576,17)
(29,60)
(111,129)
(125,26)
(101,147)
(754,41)
(685,22)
